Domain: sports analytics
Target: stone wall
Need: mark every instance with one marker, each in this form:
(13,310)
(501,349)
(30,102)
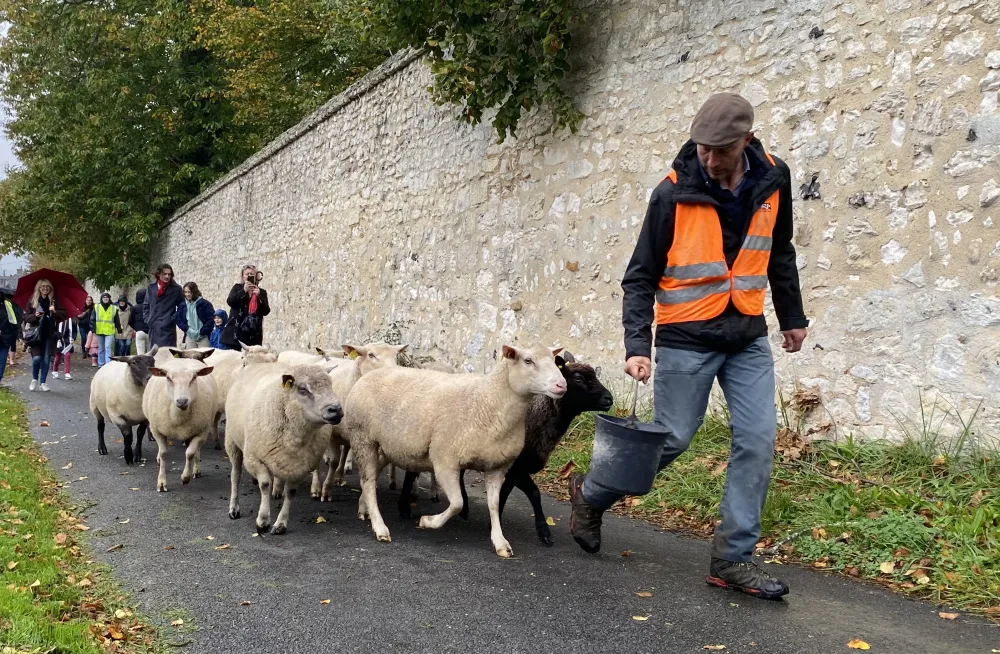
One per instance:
(381,208)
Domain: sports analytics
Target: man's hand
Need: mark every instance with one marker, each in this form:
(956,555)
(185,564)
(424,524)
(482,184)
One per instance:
(793,339)
(639,368)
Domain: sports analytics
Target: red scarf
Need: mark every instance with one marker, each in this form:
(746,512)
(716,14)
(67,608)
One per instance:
(252,309)
(160,288)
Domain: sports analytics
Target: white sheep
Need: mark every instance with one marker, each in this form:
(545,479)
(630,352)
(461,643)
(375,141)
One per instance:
(180,404)
(423,420)
(227,363)
(277,421)
(361,360)
(116,397)
(297,358)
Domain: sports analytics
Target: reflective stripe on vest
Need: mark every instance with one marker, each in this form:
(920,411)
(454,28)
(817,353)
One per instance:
(105,321)
(697,284)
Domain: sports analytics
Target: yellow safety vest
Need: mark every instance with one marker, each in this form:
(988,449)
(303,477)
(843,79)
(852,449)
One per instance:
(105,320)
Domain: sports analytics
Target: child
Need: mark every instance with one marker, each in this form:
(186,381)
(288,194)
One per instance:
(92,348)
(215,338)
(64,348)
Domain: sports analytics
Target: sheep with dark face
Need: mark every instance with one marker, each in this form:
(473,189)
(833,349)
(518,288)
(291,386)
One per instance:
(547,422)
(116,397)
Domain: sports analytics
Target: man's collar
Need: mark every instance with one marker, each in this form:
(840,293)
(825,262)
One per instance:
(715,184)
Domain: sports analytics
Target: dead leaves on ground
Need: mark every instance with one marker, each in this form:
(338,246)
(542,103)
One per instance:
(857,643)
(947,616)
(789,444)
(567,470)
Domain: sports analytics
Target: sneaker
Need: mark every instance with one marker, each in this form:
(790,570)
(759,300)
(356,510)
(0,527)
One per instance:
(45,388)
(93,364)
(55,375)
(68,377)
(746,577)
(584,520)
(33,385)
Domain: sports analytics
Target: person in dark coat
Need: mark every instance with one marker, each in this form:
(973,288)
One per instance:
(160,308)
(138,323)
(10,319)
(248,303)
(84,322)
(42,311)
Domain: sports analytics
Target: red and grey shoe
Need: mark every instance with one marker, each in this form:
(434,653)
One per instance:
(746,577)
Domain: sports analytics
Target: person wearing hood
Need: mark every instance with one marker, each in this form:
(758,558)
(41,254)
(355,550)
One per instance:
(103,326)
(84,320)
(159,310)
(215,338)
(123,328)
(138,323)
(195,318)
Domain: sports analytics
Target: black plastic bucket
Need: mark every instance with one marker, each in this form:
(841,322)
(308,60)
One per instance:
(626,455)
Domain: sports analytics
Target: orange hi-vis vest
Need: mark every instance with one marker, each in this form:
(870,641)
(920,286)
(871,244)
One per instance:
(697,284)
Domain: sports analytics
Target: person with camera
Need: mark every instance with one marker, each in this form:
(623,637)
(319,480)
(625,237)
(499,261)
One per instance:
(248,304)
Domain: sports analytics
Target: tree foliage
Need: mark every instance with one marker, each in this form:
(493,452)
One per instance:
(122,110)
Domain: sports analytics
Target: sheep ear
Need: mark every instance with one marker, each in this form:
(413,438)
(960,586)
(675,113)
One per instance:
(287,381)
(568,356)
(320,352)
(177,353)
(244,346)
(509,353)
(157,372)
(351,351)
(205,371)
(120,359)
(402,348)
(332,368)
(560,362)
(153,350)
(555,350)
(208,353)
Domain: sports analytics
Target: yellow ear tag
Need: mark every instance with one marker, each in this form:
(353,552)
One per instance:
(354,354)
(177,355)
(287,384)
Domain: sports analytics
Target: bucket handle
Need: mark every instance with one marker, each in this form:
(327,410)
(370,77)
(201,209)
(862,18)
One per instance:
(635,399)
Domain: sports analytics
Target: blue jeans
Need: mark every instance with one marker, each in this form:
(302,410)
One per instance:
(682,383)
(123,346)
(40,365)
(104,348)
(4,351)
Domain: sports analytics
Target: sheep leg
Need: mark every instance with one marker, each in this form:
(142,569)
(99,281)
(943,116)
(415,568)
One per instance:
(368,465)
(264,481)
(333,453)
(315,488)
(435,497)
(529,488)
(392,477)
(406,496)
(362,507)
(281,524)
(216,432)
(102,449)
(140,433)
(192,459)
(277,489)
(344,465)
(465,496)
(494,480)
(453,490)
(236,459)
(126,431)
(161,459)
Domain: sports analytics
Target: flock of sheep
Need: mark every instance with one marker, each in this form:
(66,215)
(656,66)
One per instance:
(285,414)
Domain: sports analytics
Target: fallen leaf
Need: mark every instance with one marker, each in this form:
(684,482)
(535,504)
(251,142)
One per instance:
(85,583)
(627,553)
(567,470)
(887,567)
(169,547)
(993,610)
(12,565)
(68,466)
(115,634)
(633,501)
(833,464)
(947,616)
(550,522)
(224,546)
(44,423)
(939,460)
(209,537)
(177,623)
(639,618)
(923,580)
(133,489)
(36,584)
(719,469)
(644,594)
(324,601)
(4,485)
(976,498)
(125,521)
(114,548)
(320,519)
(246,603)
(717,648)
(819,564)
(81,527)
(857,643)
(82,479)
(61,538)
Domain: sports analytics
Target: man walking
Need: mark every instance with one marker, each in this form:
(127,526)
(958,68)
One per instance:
(163,297)
(717,230)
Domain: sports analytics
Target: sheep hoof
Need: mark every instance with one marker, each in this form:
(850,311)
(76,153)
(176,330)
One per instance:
(546,540)
(384,538)
(128,459)
(218,447)
(197,475)
(277,530)
(102,450)
(504,551)
(316,496)
(185,480)
(161,488)
(327,497)
(262,529)
(464,513)
(234,514)
(425,522)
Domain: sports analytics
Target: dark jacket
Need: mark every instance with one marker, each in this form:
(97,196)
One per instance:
(135,319)
(10,332)
(48,324)
(159,313)
(731,331)
(239,303)
(86,321)
(205,314)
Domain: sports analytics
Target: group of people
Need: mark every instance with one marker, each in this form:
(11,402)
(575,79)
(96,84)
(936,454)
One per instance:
(105,329)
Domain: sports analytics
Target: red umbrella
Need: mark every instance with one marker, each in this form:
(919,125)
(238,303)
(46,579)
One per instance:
(70,294)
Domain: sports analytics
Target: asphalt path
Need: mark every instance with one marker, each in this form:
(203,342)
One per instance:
(433,591)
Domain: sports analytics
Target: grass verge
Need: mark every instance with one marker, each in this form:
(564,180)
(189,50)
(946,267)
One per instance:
(52,598)
(920,517)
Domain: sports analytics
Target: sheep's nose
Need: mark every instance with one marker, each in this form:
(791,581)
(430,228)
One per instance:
(559,386)
(333,414)
(182,403)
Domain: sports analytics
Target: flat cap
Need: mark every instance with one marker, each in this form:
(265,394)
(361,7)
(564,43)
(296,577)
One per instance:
(724,119)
